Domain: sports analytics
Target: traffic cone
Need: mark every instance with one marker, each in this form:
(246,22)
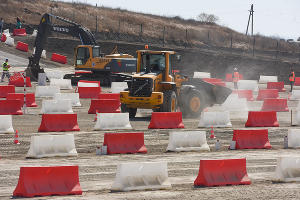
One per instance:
(212,133)
(16,140)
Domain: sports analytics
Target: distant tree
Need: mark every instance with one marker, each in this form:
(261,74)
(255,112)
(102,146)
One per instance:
(207,18)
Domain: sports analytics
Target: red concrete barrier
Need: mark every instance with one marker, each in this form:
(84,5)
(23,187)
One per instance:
(115,96)
(251,139)
(59,58)
(248,94)
(278,105)
(11,107)
(59,123)
(262,119)
(104,106)
(30,98)
(5,89)
(46,181)
(219,83)
(18,80)
(166,120)
(124,143)
(209,80)
(22,46)
(3,38)
(19,32)
(276,85)
(88,92)
(222,172)
(297,81)
(267,93)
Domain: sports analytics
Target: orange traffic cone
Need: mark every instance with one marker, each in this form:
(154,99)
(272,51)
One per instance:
(16,140)
(212,133)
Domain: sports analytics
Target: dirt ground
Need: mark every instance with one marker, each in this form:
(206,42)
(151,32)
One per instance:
(97,173)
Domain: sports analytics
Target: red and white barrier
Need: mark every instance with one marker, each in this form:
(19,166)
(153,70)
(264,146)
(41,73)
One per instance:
(18,80)
(297,81)
(117,87)
(59,123)
(57,107)
(278,105)
(51,145)
(247,85)
(248,94)
(74,97)
(63,84)
(251,139)
(120,143)
(19,32)
(295,95)
(266,79)
(104,106)
(234,103)
(22,46)
(6,124)
(188,141)
(276,85)
(3,38)
(141,176)
(267,93)
(30,98)
(10,41)
(294,138)
(166,120)
(262,119)
(288,169)
(5,89)
(46,91)
(59,58)
(222,172)
(112,121)
(47,181)
(215,119)
(11,107)
(201,75)
(54,74)
(88,89)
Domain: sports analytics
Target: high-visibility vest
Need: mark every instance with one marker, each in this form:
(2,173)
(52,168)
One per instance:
(236,76)
(292,77)
(5,66)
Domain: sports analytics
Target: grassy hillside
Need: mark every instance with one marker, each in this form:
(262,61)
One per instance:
(151,28)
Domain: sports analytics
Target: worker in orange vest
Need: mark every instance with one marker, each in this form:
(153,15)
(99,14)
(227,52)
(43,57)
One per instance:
(235,77)
(292,78)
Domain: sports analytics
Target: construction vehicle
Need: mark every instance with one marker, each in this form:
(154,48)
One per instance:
(154,87)
(88,56)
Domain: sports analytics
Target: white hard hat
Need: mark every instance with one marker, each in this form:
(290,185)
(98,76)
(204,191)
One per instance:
(235,68)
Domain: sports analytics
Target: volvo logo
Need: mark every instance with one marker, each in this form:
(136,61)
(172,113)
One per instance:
(60,29)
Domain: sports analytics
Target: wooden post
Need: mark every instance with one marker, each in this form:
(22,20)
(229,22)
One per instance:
(253,46)
(141,30)
(231,42)
(164,36)
(277,49)
(207,36)
(186,37)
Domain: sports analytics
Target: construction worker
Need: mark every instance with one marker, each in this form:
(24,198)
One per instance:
(19,24)
(235,77)
(5,68)
(1,25)
(292,78)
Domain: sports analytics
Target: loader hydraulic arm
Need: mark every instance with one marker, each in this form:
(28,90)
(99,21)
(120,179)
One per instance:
(44,29)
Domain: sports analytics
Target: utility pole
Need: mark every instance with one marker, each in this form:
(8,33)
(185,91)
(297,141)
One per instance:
(251,12)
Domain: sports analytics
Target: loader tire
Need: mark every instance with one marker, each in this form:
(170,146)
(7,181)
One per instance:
(170,102)
(194,104)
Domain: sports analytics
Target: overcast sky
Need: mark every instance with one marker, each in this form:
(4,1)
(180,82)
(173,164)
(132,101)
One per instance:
(271,17)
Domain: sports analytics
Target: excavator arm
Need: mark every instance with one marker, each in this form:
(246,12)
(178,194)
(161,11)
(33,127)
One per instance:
(44,29)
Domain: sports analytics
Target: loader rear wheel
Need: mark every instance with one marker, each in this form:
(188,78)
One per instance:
(170,102)
(194,103)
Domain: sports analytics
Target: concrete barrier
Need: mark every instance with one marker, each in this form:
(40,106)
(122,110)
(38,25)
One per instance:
(294,138)
(295,95)
(63,84)
(56,107)
(54,74)
(247,85)
(266,79)
(83,83)
(234,103)
(262,119)
(166,120)
(267,93)
(10,41)
(215,119)
(201,75)
(46,91)
(251,139)
(74,97)
(117,87)
(6,124)
(52,145)
(141,176)
(188,141)
(276,85)
(112,121)
(288,169)
(59,123)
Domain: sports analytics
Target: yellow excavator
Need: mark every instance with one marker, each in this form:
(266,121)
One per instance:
(155,87)
(88,56)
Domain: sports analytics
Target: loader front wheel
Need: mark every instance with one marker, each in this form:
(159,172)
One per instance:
(170,102)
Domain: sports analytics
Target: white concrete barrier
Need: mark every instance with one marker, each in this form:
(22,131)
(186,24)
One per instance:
(288,169)
(43,53)
(110,121)
(10,41)
(84,84)
(188,141)
(248,85)
(52,145)
(294,138)
(34,33)
(54,74)
(46,91)
(215,119)
(63,84)
(234,103)
(201,75)
(117,87)
(56,107)
(266,79)
(6,124)
(295,95)
(141,176)
(74,97)
(6,32)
